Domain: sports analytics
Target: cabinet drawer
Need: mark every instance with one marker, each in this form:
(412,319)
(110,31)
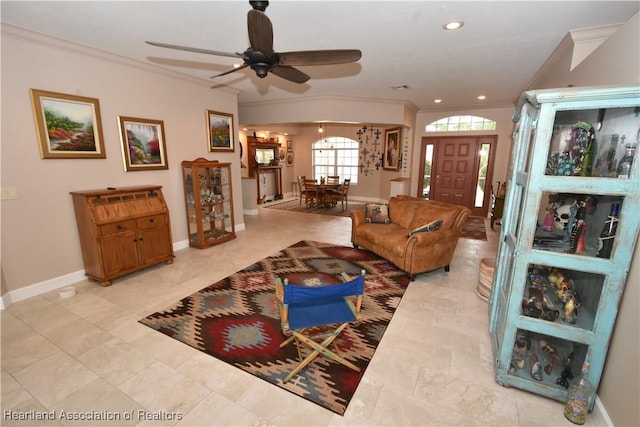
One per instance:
(117,227)
(152,221)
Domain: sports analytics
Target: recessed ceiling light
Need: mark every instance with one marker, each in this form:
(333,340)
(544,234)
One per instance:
(453,25)
(482,97)
(437,101)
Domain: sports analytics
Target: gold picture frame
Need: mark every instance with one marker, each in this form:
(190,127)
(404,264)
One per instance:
(68,126)
(143,144)
(220,131)
(392,146)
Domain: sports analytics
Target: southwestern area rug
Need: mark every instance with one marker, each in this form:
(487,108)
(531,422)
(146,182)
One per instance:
(474,229)
(237,320)
(295,206)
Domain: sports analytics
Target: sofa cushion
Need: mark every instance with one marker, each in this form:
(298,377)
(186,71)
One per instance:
(389,236)
(376,213)
(402,212)
(432,226)
(433,213)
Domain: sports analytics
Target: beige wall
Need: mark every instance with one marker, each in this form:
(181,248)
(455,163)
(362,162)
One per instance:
(616,61)
(39,236)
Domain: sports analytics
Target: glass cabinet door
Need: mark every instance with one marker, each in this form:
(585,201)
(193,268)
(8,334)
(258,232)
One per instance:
(209,202)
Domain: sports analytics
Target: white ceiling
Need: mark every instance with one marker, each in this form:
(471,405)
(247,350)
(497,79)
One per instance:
(497,53)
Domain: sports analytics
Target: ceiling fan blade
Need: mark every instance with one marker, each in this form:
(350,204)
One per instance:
(320,57)
(231,71)
(260,32)
(197,50)
(289,73)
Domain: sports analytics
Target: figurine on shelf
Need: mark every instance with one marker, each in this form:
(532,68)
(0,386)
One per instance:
(570,311)
(578,231)
(582,145)
(536,368)
(549,223)
(566,376)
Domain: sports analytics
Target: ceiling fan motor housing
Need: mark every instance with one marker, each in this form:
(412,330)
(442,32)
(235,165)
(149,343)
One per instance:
(261,69)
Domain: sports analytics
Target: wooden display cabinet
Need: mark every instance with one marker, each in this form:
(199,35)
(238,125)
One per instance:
(122,230)
(554,302)
(209,202)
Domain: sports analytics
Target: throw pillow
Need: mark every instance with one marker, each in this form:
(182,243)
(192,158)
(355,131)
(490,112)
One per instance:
(377,213)
(432,226)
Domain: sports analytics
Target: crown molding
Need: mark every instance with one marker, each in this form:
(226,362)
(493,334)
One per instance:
(18,33)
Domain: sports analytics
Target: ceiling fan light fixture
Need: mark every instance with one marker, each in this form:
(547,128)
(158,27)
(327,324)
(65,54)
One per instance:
(453,25)
(400,87)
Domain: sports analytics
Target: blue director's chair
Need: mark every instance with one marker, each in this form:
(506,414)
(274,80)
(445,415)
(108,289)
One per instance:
(315,316)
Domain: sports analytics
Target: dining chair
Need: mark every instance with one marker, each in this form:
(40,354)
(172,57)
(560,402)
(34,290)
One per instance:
(301,188)
(333,180)
(311,192)
(313,317)
(341,194)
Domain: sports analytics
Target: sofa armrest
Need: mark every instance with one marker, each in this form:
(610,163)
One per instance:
(435,237)
(357,218)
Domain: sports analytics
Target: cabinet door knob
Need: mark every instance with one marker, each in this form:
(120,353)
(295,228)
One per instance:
(119,227)
(151,220)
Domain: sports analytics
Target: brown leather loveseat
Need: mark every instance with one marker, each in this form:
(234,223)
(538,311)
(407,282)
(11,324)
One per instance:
(391,237)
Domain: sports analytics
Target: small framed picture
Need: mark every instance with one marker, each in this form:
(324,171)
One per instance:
(220,131)
(143,144)
(68,126)
(391,153)
(290,158)
(289,145)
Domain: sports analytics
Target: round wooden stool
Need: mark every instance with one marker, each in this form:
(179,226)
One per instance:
(485,278)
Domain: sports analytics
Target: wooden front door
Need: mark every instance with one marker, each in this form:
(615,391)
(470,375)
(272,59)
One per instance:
(461,170)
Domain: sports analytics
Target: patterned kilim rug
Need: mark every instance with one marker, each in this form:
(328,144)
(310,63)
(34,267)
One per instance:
(474,229)
(237,319)
(295,206)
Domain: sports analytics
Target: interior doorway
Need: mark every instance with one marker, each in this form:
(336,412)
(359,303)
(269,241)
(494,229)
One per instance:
(458,169)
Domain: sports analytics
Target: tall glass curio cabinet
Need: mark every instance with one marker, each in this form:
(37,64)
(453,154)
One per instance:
(209,202)
(569,229)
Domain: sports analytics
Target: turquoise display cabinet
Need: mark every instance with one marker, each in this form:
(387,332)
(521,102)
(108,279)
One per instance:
(554,301)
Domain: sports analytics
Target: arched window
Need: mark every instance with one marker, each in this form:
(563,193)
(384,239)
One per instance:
(461,123)
(336,155)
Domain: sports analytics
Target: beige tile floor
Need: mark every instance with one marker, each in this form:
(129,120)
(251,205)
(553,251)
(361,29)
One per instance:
(87,355)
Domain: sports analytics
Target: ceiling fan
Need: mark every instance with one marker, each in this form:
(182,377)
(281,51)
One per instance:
(261,57)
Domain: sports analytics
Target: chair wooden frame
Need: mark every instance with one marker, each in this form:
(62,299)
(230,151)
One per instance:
(310,192)
(341,194)
(294,302)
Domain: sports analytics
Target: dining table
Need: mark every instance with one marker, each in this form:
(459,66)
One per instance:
(323,191)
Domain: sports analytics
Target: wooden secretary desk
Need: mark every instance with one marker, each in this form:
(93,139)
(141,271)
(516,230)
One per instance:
(122,230)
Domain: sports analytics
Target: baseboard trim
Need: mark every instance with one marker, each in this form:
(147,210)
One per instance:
(59,282)
(599,414)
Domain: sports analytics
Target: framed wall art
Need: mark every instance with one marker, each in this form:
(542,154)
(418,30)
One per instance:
(220,131)
(290,158)
(68,126)
(289,145)
(143,144)
(391,154)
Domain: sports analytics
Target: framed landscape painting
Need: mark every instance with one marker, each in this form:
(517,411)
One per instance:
(143,144)
(68,126)
(220,131)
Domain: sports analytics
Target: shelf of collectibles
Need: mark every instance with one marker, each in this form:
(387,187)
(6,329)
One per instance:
(560,274)
(209,202)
